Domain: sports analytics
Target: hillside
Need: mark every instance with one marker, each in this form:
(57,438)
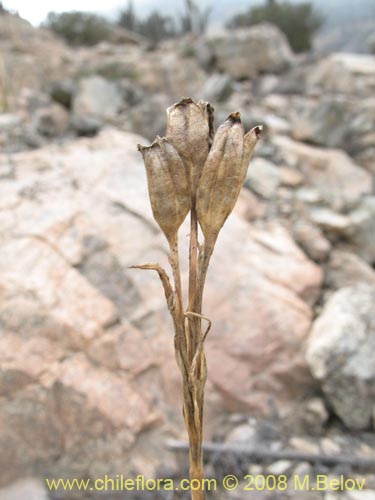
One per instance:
(89,384)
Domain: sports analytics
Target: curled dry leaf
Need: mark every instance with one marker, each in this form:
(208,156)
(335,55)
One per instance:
(167,186)
(223,174)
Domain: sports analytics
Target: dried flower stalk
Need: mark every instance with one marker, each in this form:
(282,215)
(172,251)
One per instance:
(193,170)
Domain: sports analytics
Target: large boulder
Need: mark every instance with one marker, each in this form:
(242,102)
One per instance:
(246,52)
(341,354)
(29,57)
(87,362)
(254,351)
(336,121)
(161,70)
(97,97)
(351,74)
(341,183)
(347,269)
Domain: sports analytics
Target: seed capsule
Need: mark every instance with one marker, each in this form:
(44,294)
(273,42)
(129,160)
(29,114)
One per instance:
(190,130)
(223,174)
(167,185)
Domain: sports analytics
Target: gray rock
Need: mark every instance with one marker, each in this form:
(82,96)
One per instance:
(351,74)
(243,434)
(341,183)
(97,97)
(304,444)
(86,126)
(309,196)
(51,121)
(302,469)
(8,122)
(335,224)
(63,91)
(316,415)
(341,354)
(279,467)
(347,269)
(148,117)
(246,52)
(263,177)
(363,222)
(131,94)
(217,88)
(334,121)
(312,240)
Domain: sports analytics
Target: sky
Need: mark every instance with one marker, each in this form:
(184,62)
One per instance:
(37,10)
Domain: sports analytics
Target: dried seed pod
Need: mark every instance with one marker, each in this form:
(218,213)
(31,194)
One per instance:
(167,185)
(250,141)
(190,130)
(223,174)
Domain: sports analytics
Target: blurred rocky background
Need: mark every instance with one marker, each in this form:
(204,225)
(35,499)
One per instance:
(88,380)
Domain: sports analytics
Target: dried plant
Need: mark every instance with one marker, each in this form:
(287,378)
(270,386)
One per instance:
(194,170)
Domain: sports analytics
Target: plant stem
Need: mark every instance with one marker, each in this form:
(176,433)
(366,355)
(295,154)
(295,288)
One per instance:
(204,260)
(194,400)
(193,282)
(178,312)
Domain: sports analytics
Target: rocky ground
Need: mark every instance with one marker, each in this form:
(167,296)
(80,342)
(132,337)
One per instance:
(88,382)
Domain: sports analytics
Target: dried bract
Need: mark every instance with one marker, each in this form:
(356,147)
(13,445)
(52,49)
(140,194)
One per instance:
(167,185)
(190,130)
(223,174)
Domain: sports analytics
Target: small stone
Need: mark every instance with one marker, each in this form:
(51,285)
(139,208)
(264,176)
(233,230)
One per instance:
(8,122)
(217,88)
(332,222)
(304,445)
(86,126)
(97,97)
(276,124)
(367,450)
(329,447)
(302,469)
(243,434)
(312,240)
(263,178)
(363,222)
(290,177)
(266,85)
(63,91)
(279,467)
(51,121)
(255,470)
(347,269)
(308,195)
(316,413)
